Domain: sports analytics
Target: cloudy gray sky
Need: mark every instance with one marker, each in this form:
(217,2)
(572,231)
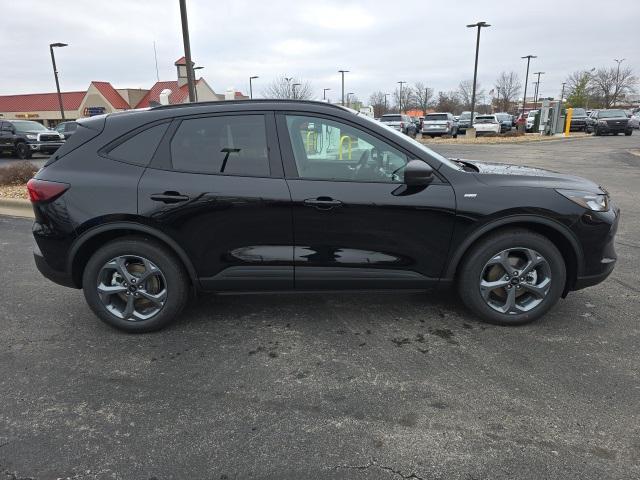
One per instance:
(380,42)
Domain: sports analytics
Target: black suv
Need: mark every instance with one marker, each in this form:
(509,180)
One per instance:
(23,138)
(139,208)
(602,122)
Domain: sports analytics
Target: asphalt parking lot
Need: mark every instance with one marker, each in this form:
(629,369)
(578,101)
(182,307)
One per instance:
(358,386)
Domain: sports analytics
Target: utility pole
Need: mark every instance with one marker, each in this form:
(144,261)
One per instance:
(251,85)
(293,88)
(616,91)
(288,79)
(343,72)
(386,109)
(187,50)
(479,26)
(535,99)
(400,96)
(562,94)
(55,74)
(526,81)
(324,93)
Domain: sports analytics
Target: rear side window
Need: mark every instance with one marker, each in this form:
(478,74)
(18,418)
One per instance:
(140,148)
(226,145)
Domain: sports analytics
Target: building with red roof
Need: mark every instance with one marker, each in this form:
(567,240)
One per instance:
(101,97)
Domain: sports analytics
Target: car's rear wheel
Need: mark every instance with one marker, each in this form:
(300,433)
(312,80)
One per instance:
(512,277)
(135,284)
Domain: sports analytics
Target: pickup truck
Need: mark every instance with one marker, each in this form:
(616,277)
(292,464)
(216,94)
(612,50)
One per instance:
(23,138)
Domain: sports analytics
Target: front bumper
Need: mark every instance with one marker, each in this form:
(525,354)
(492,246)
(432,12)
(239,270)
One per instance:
(613,128)
(45,146)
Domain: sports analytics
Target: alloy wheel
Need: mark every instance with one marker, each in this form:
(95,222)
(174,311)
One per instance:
(132,288)
(515,281)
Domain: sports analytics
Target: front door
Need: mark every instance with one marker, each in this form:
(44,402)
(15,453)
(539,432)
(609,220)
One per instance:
(216,186)
(356,225)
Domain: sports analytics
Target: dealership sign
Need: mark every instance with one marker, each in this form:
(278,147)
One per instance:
(91,111)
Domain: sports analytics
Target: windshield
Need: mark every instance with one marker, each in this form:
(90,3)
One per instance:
(27,125)
(395,133)
(611,114)
(465,115)
(503,117)
(391,118)
(440,116)
(579,112)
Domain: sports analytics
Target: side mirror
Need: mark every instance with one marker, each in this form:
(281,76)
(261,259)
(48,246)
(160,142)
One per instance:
(417,173)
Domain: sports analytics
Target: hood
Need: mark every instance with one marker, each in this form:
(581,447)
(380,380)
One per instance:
(502,174)
(36,132)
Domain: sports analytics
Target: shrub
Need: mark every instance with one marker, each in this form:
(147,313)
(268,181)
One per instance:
(17,173)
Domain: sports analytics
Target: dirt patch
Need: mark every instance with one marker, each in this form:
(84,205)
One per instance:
(485,139)
(14,191)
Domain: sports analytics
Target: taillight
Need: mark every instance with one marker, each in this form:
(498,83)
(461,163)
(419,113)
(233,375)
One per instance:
(401,124)
(45,191)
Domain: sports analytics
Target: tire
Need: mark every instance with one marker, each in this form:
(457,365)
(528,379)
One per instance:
(23,152)
(596,132)
(455,134)
(100,270)
(475,268)
(628,133)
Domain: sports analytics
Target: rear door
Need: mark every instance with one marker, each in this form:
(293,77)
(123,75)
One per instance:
(216,186)
(356,225)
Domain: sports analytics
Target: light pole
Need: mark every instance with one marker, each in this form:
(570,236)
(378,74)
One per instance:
(342,72)
(586,93)
(251,85)
(562,93)
(385,103)
(293,89)
(324,93)
(288,79)
(349,98)
(535,94)
(187,50)
(526,81)
(535,100)
(479,26)
(55,74)
(195,86)
(400,95)
(615,92)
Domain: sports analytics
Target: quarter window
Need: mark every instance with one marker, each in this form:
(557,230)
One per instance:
(328,150)
(230,145)
(140,148)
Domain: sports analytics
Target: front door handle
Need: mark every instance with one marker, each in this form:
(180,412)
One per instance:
(322,203)
(169,197)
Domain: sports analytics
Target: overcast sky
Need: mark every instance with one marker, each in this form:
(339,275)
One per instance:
(380,42)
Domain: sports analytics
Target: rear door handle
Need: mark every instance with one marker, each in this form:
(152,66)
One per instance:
(322,203)
(169,197)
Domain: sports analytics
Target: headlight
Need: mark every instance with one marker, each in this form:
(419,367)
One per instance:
(598,202)
(31,136)
(602,122)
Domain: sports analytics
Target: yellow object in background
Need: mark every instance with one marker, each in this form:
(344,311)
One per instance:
(567,127)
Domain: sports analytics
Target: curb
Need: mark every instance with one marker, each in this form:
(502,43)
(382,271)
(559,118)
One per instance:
(15,207)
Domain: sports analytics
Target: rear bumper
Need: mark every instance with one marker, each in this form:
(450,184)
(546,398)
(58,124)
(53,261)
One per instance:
(56,276)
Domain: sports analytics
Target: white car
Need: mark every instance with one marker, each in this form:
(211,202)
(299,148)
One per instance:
(634,120)
(486,124)
(531,118)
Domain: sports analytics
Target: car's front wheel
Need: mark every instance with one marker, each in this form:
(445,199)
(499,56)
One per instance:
(512,277)
(135,284)
(23,152)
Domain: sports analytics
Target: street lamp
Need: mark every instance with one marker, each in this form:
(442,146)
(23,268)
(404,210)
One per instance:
(288,79)
(526,81)
(343,72)
(195,88)
(324,93)
(293,88)
(535,98)
(385,102)
(349,98)
(187,50)
(400,96)
(479,25)
(55,74)
(616,91)
(251,85)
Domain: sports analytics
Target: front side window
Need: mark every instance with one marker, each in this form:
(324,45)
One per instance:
(328,150)
(228,145)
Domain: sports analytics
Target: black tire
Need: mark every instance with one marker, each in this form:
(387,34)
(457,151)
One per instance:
(23,152)
(628,133)
(174,275)
(455,134)
(596,132)
(474,264)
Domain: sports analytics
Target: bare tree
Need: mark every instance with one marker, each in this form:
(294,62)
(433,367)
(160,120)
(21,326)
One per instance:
(507,89)
(408,100)
(423,96)
(283,87)
(448,102)
(612,84)
(377,101)
(465,92)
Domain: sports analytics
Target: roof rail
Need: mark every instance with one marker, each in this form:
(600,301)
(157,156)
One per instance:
(261,100)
